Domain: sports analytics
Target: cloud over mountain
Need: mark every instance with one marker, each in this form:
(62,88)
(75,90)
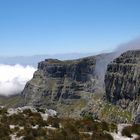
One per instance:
(13,78)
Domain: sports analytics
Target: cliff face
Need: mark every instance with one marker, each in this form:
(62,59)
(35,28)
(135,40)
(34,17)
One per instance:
(69,87)
(122,79)
(73,88)
(62,85)
(122,82)
(76,87)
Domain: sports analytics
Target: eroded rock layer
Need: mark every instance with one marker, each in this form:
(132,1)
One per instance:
(122,82)
(122,79)
(62,85)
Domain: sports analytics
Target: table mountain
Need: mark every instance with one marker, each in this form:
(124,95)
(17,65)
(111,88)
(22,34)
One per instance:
(66,86)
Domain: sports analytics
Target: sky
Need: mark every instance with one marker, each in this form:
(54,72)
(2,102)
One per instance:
(31,27)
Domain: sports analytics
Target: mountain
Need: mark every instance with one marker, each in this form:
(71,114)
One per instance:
(105,87)
(74,88)
(66,86)
(122,79)
(61,85)
(122,82)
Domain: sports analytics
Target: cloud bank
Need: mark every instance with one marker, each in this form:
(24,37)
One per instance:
(14,78)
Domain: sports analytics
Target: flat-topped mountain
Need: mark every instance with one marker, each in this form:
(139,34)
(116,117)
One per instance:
(61,85)
(83,87)
(66,86)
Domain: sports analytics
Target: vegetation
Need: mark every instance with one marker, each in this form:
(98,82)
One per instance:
(31,126)
(102,136)
(111,112)
(132,129)
(127,131)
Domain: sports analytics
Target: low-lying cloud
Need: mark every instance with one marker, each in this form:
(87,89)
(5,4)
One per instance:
(13,78)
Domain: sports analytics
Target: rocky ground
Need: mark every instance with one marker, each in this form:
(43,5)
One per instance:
(28,123)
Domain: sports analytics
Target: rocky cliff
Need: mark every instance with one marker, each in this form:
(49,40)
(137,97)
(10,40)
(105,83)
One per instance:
(73,88)
(122,81)
(70,87)
(62,85)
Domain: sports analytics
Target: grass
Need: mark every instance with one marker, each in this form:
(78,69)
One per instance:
(114,113)
(10,101)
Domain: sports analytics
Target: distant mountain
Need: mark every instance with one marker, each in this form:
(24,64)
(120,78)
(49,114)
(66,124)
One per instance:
(33,60)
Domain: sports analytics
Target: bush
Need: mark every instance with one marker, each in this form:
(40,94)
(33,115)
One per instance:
(113,128)
(29,137)
(32,133)
(84,136)
(3,111)
(4,132)
(136,129)
(59,135)
(40,110)
(17,119)
(138,138)
(127,131)
(53,121)
(102,136)
(27,112)
(88,116)
(105,126)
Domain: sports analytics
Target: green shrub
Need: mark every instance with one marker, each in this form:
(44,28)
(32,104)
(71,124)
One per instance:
(27,112)
(88,116)
(29,137)
(40,110)
(105,126)
(17,119)
(59,135)
(102,136)
(136,129)
(53,121)
(113,128)
(127,131)
(32,133)
(3,111)
(84,136)
(4,132)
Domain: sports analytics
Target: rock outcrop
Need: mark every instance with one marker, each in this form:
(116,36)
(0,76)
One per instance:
(62,85)
(122,82)
(122,79)
(75,87)
(69,87)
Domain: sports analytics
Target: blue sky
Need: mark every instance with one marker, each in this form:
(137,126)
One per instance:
(29,27)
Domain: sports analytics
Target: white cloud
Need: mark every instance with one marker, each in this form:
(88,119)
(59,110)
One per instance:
(14,78)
